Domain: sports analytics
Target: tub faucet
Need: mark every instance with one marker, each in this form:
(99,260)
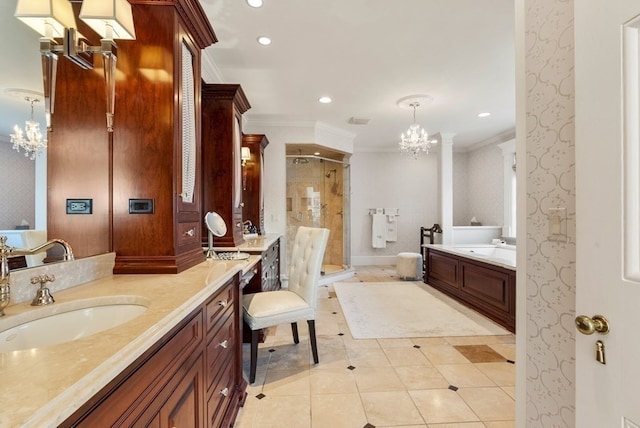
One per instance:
(7,251)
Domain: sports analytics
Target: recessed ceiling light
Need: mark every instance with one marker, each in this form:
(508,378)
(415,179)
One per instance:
(324,100)
(316,153)
(264,40)
(485,114)
(254,3)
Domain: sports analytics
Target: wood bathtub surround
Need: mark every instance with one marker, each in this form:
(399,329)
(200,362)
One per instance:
(487,288)
(142,157)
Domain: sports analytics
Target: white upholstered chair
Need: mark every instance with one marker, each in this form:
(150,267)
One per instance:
(295,303)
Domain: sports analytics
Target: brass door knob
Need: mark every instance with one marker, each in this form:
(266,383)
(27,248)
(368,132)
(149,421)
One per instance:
(586,325)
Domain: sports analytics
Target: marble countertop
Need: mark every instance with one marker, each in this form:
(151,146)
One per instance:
(41,387)
(254,245)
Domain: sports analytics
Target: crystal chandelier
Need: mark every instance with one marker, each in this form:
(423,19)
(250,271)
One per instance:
(30,140)
(416,140)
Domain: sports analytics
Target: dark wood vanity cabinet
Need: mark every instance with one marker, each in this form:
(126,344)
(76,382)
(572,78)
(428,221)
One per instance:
(222,109)
(487,288)
(143,158)
(192,377)
(252,178)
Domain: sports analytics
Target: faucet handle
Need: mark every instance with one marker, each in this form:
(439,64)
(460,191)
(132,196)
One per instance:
(42,279)
(43,295)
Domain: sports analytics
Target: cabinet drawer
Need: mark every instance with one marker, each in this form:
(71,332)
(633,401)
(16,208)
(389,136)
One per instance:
(219,308)
(188,233)
(220,394)
(220,347)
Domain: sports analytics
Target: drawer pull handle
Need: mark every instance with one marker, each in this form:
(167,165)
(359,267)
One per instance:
(224,344)
(225,392)
(191,232)
(223,303)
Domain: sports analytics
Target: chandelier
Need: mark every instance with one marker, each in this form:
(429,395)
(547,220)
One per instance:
(30,140)
(415,140)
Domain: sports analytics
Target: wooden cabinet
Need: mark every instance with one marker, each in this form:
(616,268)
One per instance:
(192,377)
(222,109)
(143,157)
(252,179)
(268,275)
(487,288)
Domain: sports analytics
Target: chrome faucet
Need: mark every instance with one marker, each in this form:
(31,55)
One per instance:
(7,251)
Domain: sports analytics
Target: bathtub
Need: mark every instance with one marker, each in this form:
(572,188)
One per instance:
(500,255)
(483,277)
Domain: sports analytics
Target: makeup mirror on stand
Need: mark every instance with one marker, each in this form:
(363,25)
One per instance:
(217,227)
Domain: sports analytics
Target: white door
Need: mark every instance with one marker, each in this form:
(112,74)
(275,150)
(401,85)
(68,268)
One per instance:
(608,209)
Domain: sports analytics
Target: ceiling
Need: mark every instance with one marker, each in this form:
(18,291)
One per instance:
(364,54)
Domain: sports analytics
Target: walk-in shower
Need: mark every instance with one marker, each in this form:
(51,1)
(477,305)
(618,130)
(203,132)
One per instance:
(317,196)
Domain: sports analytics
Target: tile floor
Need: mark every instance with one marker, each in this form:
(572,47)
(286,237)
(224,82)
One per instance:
(448,382)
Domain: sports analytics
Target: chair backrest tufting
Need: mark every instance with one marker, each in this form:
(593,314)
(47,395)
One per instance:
(306,262)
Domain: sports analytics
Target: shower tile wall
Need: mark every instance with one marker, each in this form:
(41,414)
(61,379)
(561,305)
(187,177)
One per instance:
(315,198)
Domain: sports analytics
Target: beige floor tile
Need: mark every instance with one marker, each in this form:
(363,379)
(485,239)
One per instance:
(443,354)
(393,384)
(409,356)
(390,408)
(507,350)
(501,424)
(426,342)
(458,425)
(477,340)
(337,411)
(490,404)
(511,390)
(351,343)
(367,357)
(333,381)
(290,357)
(283,412)
(464,375)
(503,374)
(395,343)
(377,379)
(421,377)
(285,382)
(442,406)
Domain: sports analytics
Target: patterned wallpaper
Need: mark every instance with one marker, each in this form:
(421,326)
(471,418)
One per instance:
(550,269)
(17,173)
(478,186)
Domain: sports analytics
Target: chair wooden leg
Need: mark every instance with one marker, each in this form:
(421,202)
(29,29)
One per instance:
(312,338)
(254,355)
(294,330)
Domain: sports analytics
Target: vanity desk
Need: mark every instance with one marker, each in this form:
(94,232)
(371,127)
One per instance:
(179,362)
(267,276)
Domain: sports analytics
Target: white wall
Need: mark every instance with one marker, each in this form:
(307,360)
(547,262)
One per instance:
(390,180)
(478,185)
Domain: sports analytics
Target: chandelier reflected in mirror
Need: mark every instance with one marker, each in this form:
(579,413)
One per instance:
(30,140)
(415,141)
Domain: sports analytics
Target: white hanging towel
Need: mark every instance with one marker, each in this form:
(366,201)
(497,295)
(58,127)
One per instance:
(379,231)
(392,224)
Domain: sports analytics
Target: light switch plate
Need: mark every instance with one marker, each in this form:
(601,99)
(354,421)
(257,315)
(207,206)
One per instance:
(557,218)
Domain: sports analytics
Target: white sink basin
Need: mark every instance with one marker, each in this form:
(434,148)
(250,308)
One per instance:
(64,322)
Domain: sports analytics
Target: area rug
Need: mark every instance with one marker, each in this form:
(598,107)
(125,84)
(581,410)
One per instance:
(381,310)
